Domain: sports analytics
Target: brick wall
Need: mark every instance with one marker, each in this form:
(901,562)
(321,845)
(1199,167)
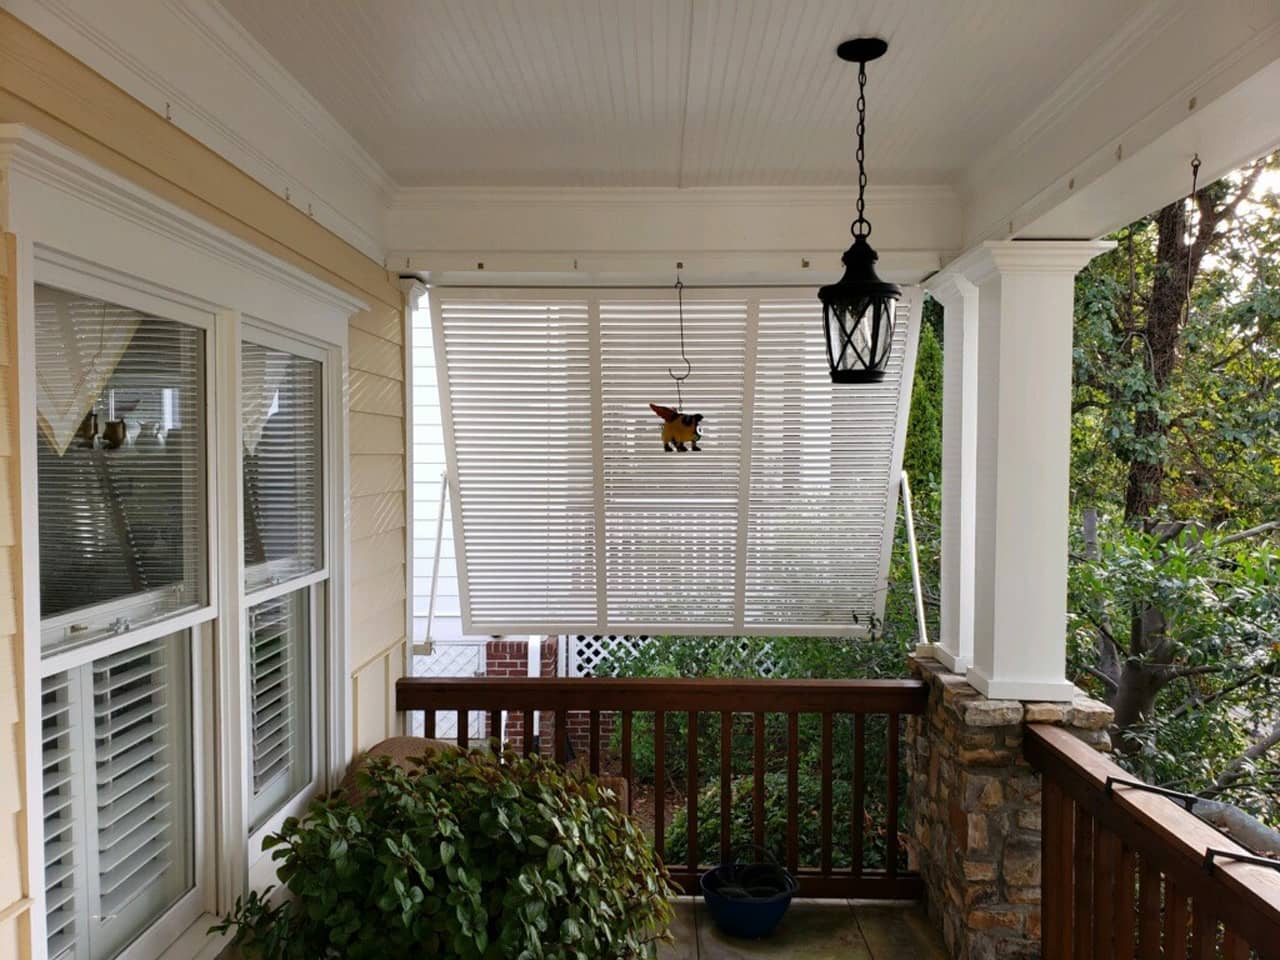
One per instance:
(510,658)
(975,819)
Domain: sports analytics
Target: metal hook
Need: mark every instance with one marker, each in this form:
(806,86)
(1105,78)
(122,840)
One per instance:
(688,367)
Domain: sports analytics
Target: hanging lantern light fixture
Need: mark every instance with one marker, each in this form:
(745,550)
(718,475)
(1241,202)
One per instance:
(857,311)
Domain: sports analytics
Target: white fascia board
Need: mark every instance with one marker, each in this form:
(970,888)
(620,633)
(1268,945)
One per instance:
(737,234)
(191,61)
(1162,70)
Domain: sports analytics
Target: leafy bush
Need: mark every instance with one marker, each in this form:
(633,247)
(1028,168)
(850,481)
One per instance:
(475,856)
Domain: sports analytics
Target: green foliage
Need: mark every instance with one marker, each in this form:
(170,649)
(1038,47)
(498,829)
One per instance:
(476,856)
(922,457)
(1215,658)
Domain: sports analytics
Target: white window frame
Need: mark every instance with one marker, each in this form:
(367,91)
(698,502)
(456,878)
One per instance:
(54,269)
(316,583)
(127,245)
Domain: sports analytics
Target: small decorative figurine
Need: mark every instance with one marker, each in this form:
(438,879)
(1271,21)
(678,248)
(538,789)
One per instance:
(678,428)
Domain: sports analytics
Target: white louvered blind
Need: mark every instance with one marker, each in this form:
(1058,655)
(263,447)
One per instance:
(821,508)
(279,702)
(121,496)
(117,803)
(671,519)
(572,519)
(283,464)
(522,445)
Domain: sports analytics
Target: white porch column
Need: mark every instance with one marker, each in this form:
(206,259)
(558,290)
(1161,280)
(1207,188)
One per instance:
(1025,293)
(959,299)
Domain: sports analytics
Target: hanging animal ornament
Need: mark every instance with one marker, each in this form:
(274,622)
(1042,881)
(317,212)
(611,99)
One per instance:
(680,430)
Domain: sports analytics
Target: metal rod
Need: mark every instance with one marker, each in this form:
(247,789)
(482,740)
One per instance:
(435,565)
(909,517)
(1211,854)
(1188,800)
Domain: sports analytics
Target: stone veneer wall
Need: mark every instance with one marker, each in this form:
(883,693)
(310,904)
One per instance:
(975,817)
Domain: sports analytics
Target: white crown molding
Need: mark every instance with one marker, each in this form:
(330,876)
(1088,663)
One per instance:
(318,179)
(26,154)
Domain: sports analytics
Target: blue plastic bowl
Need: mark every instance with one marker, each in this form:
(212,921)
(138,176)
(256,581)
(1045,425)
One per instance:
(748,918)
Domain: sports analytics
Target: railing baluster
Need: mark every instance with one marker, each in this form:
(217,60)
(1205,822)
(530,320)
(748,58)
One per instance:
(1175,920)
(464,729)
(1106,854)
(793,792)
(859,788)
(1084,886)
(691,791)
(757,784)
(562,736)
(594,741)
(1056,872)
(726,784)
(1148,911)
(891,846)
(528,733)
(495,727)
(429,723)
(1126,888)
(660,783)
(626,759)
(1204,932)
(1234,946)
(827,774)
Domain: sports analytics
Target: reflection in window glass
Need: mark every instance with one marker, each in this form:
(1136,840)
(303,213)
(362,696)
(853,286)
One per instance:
(283,456)
(121,465)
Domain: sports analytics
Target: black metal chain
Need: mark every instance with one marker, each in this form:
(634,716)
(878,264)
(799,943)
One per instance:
(1195,176)
(862,227)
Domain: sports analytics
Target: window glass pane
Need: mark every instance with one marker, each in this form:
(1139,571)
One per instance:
(283,457)
(118,788)
(121,464)
(279,701)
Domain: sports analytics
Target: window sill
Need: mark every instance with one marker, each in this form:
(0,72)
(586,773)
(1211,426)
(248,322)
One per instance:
(196,943)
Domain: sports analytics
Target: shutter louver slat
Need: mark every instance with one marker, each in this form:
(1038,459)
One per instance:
(121,517)
(278,641)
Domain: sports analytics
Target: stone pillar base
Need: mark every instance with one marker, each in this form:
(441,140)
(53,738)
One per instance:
(975,818)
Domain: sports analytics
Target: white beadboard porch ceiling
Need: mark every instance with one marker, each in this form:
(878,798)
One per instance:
(691,93)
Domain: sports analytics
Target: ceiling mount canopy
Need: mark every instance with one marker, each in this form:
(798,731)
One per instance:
(858,310)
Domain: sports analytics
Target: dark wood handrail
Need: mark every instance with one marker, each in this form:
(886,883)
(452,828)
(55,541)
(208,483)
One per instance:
(1102,849)
(743,696)
(723,701)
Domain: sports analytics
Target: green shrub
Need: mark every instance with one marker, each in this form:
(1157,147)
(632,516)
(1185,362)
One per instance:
(476,856)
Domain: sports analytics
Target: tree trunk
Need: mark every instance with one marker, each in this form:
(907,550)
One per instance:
(1145,482)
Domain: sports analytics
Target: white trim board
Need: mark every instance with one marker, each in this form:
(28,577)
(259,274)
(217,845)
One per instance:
(196,65)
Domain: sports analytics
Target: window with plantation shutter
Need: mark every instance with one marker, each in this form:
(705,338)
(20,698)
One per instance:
(283,464)
(121,466)
(117,796)
(279,677)
(571,518)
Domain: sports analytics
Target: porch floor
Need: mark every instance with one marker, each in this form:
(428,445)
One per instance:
(813,930)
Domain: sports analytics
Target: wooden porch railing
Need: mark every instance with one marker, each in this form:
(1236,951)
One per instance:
(1125,872)
(850,702)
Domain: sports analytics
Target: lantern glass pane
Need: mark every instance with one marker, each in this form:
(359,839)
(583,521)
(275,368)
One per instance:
(859,334)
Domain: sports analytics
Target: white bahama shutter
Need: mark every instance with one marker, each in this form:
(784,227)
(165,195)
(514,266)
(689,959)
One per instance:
(825,460)
(117,797)
(671,519)
(519,428)
(569,516)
